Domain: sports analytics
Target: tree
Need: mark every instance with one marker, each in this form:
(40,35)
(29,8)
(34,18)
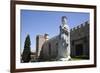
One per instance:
(27,50)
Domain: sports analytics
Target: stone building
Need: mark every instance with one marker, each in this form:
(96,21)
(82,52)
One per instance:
(40,39)
(48,49)
(79,37)
(79,44)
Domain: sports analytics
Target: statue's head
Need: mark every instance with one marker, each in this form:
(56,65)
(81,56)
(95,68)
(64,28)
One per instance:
(64,20)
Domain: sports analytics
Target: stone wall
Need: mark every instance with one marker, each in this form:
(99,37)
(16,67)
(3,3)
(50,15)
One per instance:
(39,43)
(79,36)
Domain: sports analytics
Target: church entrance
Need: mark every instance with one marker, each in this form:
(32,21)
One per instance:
(79,50)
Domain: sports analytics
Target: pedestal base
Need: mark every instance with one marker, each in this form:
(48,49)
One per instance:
(65,59)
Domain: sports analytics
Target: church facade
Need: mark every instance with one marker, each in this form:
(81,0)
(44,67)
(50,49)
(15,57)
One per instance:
(47,48)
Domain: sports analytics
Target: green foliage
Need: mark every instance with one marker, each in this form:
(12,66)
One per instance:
(27,50)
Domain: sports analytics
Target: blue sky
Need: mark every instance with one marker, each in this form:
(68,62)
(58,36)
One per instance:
(40,22)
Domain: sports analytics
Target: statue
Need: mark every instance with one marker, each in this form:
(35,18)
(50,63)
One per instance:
(58,47)
(64,41)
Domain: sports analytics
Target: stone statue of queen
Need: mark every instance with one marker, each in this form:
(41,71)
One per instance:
(64,41)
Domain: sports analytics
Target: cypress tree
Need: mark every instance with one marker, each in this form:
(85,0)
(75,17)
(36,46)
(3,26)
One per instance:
(27,50)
